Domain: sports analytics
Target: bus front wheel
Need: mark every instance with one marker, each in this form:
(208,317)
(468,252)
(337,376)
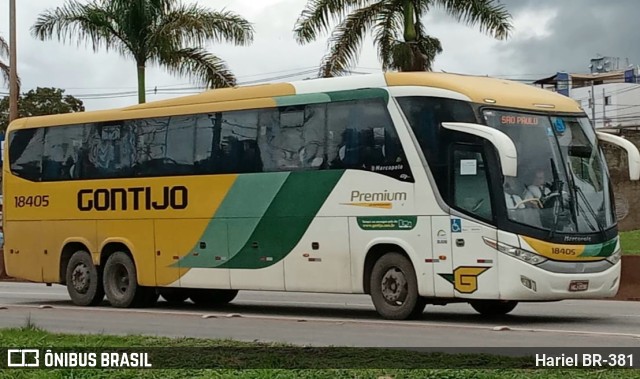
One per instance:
(493,307)
(212,297)
(83,280)
(394,288)
(121,283)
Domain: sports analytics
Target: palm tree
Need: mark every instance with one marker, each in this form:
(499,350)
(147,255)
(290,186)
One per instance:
(161,32)
(391,20)
(4,52)
(4,68)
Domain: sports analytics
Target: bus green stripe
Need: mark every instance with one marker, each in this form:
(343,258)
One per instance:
(315,98)
(251,195)
(286,220)
(312,98)
(358,94)
(236,219)
(600,250)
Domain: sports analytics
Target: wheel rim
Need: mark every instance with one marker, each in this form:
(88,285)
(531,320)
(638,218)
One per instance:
(80,278)
(120,279)
(394,287)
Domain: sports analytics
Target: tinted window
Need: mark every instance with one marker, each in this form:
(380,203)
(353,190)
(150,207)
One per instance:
(25,153)
(62,149)
(238,151)
(207,141)
(425,115)
(471,183)
(361,135)
(181,141)
(346,135)
(110,151)
(293,138)
(227,142)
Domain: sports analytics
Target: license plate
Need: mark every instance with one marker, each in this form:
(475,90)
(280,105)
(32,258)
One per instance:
(578,285)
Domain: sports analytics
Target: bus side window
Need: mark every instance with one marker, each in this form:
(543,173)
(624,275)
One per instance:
(293,138)
(238,151)
(62,149)
(471,183)
(362,136)
(25,153)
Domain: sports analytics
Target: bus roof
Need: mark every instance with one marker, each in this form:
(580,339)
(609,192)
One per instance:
(478,89)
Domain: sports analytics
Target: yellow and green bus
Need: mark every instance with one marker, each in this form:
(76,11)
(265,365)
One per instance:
(414,188)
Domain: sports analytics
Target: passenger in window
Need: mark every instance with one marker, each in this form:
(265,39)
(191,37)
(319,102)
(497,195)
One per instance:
(348,151)
(511,196)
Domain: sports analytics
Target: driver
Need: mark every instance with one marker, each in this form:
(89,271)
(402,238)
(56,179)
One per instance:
(538,189)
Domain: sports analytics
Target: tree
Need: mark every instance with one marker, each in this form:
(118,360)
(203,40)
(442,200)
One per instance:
(4,52)
(4,68)
(40,102)
(397,29)
(164,32)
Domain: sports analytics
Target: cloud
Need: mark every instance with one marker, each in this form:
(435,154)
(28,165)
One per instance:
(549,36)
(571,32)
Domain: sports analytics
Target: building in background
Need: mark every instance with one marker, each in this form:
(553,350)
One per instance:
(608,94)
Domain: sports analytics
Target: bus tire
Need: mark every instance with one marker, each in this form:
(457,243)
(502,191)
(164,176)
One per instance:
(121,283)
(83,279)
(174,295)
(212,297)
(493,307)
(394,288)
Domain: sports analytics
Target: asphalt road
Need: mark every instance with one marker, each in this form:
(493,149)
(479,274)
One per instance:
(338,320)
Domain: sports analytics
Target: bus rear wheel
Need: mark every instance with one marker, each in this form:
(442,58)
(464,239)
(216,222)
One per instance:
(212,297)
(493,307)
(394,288)
(121,283)
(84,283)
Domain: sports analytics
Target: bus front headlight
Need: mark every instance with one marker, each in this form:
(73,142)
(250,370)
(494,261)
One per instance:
(615,257)
(523,255)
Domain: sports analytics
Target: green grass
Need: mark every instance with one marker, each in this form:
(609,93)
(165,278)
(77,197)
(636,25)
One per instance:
(240,355)
(630,242)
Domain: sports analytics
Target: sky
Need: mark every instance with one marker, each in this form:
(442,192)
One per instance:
(548,36)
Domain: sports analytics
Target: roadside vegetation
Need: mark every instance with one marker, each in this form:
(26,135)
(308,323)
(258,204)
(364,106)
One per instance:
(630,242)
(256,360)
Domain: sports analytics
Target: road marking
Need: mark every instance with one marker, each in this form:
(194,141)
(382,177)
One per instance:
(340,321)
(33,294)
(302,303)
(15,293)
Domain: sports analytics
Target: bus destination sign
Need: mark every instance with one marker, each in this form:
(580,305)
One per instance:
(520,120)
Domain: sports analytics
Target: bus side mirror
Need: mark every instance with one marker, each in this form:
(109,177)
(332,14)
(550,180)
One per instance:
(505,146)
(631,149)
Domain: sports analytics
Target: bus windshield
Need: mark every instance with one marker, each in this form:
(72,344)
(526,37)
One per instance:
(562,182)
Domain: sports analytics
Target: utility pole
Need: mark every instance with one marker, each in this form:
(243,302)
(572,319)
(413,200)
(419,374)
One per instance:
(593,105)
(604,107)
(13,65)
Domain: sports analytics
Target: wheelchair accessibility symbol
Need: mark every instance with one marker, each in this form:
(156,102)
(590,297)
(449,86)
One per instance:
(456,225)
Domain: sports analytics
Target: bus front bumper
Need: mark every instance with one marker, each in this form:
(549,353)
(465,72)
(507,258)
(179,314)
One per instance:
(522,281)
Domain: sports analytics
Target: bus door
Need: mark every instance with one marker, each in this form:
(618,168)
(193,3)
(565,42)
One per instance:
(474,273)
(441,257)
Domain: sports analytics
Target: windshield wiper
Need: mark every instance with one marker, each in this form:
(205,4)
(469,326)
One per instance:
(556,187)
(579,191)
(591,211)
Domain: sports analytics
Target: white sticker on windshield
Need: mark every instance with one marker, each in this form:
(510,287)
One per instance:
(468,167)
